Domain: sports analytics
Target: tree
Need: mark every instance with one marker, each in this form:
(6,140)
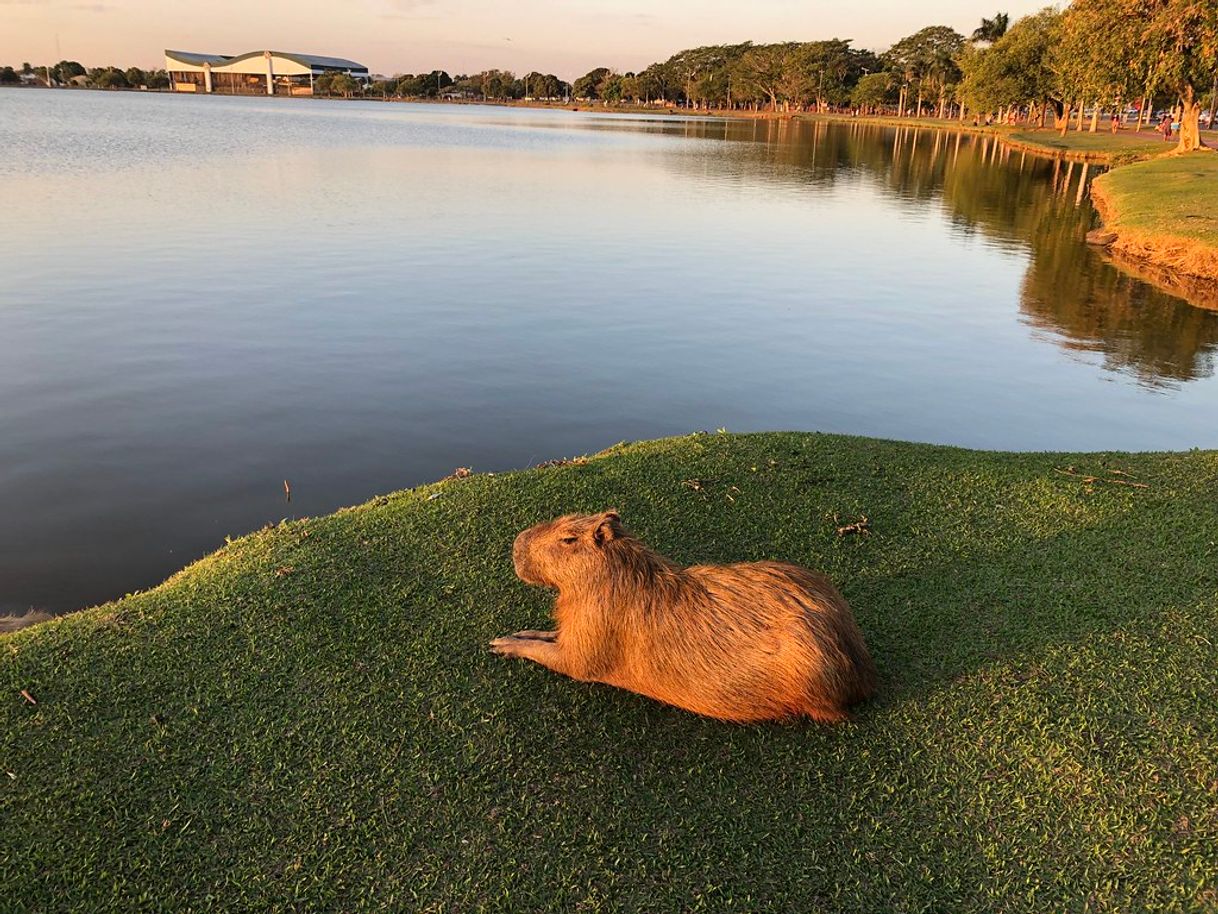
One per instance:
(992,29)
(107,78)
(704,75)
(833,68)
(425,85)
(134,77)
(1093,64)
(496,84)
(926,61)
(335,82)
(760,72)
(544,86)
(983,83)
(9,76)
(344,84)
(1171,45)
(632,87)
(1018,68)
(610,88)
(66,70)
(156,79)
(26,69)
(872,91)
(657,83)
(1181,57)
(586,86)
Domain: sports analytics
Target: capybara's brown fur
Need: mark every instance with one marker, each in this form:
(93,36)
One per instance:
(748,642)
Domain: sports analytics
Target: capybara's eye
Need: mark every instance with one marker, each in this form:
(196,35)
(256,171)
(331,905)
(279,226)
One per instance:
(569,539)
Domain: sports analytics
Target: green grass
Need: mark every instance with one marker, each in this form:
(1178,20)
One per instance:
(309,719)
(1121,147)
(1174,195)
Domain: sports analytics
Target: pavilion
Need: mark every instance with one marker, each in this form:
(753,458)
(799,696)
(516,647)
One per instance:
(255,73)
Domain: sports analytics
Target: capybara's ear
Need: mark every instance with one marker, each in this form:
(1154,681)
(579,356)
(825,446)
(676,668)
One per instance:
(608,527)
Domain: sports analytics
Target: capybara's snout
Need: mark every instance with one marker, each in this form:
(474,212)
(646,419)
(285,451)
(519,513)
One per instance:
(521,558)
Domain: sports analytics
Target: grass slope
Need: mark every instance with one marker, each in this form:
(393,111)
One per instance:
(1165,214)
(1172,195)
(309,718)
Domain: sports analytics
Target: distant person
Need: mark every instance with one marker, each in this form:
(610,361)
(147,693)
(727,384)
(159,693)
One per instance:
(976,121)
(1166,128)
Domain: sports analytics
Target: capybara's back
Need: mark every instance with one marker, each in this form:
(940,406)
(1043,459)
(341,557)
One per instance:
(767,640)
(747,642)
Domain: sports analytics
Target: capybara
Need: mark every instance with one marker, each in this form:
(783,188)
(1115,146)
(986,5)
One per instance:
(748,642)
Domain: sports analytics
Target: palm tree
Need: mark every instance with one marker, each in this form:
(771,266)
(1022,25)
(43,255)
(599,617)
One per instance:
(992,29)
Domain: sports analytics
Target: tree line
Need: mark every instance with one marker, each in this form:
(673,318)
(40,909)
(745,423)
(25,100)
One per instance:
(70,72)
(1051,66)
(1096,55)
(490,85)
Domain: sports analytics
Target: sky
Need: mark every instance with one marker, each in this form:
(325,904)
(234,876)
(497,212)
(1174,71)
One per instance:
(566,37)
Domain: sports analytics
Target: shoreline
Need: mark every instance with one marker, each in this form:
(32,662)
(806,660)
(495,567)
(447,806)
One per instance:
(13,622)
(1015,136)
(1149,243)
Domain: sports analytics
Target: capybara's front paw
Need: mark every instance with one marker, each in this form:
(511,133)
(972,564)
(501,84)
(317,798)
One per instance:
(507,646)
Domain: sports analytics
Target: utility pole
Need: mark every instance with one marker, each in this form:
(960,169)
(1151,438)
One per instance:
(59,54)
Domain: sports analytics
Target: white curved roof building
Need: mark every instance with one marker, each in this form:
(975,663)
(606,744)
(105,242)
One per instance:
(254,73)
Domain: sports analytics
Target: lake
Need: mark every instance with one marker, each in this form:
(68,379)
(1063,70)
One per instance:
(202,297)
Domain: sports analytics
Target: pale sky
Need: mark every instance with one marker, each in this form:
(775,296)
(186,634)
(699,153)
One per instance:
(567,37)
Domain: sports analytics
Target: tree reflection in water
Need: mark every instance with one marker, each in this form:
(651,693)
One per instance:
(1070,295)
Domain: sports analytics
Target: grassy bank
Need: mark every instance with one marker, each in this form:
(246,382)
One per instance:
(1105,147)
(1165,212)
(309,719)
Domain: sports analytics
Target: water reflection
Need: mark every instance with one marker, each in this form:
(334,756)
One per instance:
(1070,294)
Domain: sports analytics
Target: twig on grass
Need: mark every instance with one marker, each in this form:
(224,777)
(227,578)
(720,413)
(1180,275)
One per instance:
(1088,479)
(860,527)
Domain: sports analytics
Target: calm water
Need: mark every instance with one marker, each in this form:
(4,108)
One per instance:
(202,297)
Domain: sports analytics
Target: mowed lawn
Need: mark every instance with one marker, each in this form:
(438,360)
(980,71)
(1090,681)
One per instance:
(1122,146)
(310,720)
(1169,196)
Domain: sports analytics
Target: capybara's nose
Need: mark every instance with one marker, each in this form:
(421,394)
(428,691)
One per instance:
(518,552)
